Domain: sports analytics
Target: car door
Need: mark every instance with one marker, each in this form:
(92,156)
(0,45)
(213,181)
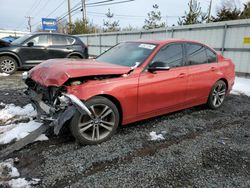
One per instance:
(164,89)
(59,47)
(202,70)
(34,50)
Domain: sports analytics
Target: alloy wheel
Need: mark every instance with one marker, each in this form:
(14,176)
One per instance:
(100,125)
(219,94)
(7,66)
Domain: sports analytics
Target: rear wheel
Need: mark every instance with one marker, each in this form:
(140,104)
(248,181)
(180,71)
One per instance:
(75,57)
(8,65)
(101,127)
(217,95)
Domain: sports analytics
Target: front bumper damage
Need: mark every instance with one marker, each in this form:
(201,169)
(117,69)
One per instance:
(56,115)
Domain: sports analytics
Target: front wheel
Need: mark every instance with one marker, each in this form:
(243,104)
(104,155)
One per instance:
(100,127)
(217,95)
(8,65)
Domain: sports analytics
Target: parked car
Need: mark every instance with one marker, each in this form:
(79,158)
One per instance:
(4,43)
(130,82)
(32,49)
(9,39)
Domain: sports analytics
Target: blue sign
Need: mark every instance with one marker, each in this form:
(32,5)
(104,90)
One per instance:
(49,24)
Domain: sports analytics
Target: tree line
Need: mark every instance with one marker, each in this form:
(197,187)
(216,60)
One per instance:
(227,11)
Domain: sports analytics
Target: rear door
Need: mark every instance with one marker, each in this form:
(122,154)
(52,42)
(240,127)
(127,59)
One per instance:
(60,47)
(164,89)
(202,72)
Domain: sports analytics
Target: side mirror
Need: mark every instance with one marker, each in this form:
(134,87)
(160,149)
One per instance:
(158,66)
(30,44)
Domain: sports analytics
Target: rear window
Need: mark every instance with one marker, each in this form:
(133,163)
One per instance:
(196,54)
(70,40)
(59,40)
(211,56)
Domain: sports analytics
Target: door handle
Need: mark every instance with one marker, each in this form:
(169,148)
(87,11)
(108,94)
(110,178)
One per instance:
(181,75)
(213,68)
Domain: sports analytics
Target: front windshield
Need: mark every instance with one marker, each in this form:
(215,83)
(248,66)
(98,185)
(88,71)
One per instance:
(21,39)
(129,54)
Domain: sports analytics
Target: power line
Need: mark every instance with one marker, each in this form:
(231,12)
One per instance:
(56,8)
(51,12)
(33,6)
(126,1)
(91,5)
(43,7)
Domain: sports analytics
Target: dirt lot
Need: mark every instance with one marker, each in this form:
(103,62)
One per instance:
(202,148)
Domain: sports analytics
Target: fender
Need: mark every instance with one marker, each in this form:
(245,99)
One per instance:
(19,62)
(74,53)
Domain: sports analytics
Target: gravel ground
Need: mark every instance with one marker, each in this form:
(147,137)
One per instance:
(202,148)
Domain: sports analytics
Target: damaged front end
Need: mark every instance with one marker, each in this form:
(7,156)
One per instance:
(53,105)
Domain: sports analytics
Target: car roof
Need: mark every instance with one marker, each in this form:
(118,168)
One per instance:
(173,40)
(167,41)
(37,33)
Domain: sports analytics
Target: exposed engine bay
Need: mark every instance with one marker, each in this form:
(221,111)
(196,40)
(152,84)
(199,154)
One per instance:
(54,105)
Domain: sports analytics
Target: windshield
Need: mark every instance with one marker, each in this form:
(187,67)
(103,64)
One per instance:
(21,39)
(129,54)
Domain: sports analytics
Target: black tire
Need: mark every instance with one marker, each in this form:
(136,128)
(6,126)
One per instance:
(217,95)
(8,65)
(75,57)
(95,104)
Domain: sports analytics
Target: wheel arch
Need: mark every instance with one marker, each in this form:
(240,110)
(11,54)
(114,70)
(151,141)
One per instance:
(224,80)
(75,54)
(117,104)
(13,55)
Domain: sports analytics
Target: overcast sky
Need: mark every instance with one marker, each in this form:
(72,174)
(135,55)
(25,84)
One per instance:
(13,12)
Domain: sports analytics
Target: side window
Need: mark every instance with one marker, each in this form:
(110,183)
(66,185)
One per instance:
(211,56)
(70,40)
(59,40)
(41,40)
(196,54)
(171,55)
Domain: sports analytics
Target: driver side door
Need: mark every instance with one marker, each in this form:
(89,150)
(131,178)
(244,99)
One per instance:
(164,89)
(36,53)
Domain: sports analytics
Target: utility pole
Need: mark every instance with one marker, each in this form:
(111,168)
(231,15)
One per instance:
(84,14)
(29,21)
(69,13)
(209,11)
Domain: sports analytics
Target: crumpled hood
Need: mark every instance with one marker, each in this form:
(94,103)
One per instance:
(56,72)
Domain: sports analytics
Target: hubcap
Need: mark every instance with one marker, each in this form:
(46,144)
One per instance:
(7,65)
(99,125)
(219,93)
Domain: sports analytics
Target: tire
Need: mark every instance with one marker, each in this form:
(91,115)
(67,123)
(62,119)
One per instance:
(8,65)
(104,111)
(217,95)
(75,57)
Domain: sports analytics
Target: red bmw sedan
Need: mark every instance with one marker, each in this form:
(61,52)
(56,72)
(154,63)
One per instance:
(130,82)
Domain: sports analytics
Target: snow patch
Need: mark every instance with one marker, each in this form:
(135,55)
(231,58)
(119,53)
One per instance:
(10,176)
(22,183)
(241,86)
(10,111)
(15,132)
(154,136)
(7,169)
(4,74)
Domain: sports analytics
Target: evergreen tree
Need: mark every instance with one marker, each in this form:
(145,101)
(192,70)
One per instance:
(110,25)
(154,19)
(194,16)
(245,14)
(78,27)
(225,14)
